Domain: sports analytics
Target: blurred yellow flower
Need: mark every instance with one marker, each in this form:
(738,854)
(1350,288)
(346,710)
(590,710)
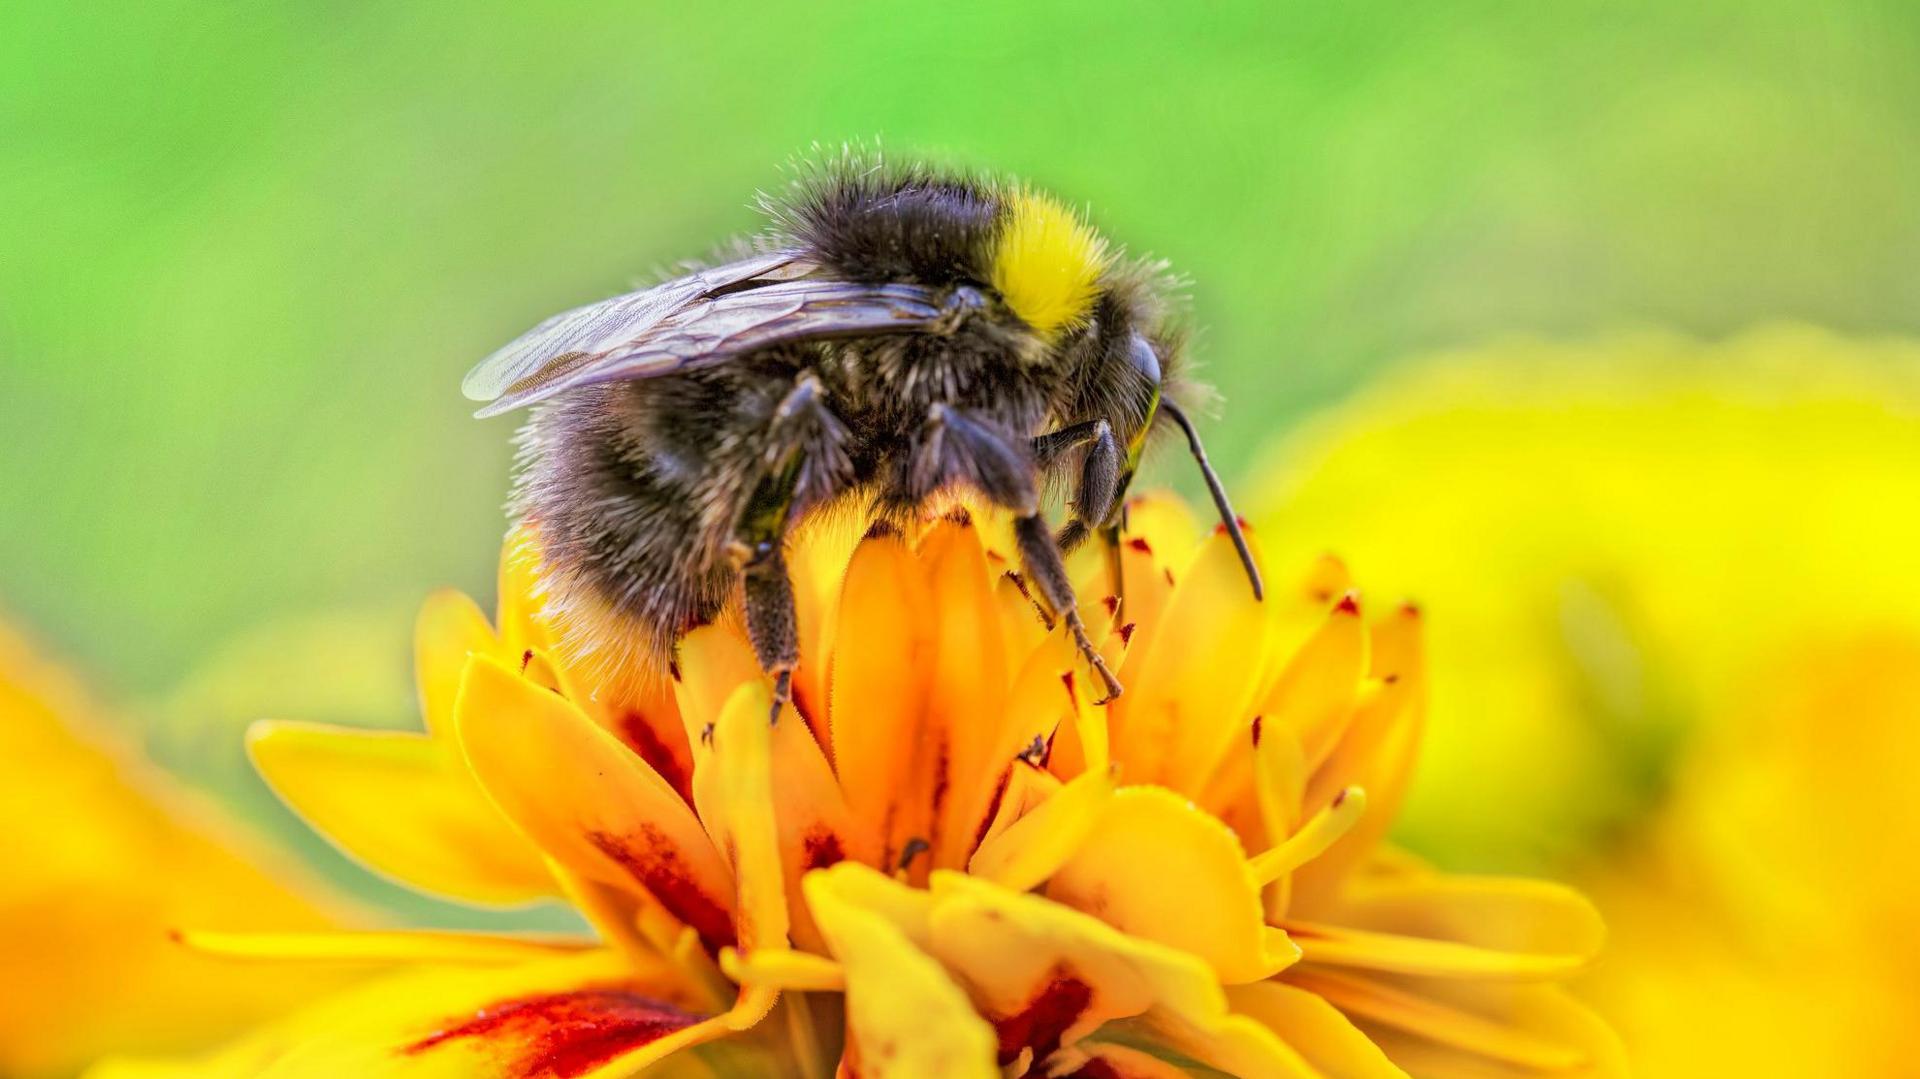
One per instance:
(946,860)
(1680,649)
(1780,883)
(1613,538)
(103,858)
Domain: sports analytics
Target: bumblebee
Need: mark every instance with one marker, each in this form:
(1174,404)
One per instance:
(895,334)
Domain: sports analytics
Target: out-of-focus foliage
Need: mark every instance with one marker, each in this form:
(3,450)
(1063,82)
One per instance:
(249,249)
(1613,540)
(104,857)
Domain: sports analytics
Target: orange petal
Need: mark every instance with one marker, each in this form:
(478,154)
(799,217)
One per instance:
(1190,686)
(1313,697)
(879,688)
(587,800)
(1149,836)
(967,695)
(403,805)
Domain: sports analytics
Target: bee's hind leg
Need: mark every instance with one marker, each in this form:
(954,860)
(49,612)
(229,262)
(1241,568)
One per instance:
(974,449)
(805,462)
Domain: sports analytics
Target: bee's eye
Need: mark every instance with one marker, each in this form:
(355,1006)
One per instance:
(1144,359)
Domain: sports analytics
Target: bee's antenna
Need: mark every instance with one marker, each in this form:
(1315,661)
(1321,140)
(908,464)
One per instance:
(1227,519)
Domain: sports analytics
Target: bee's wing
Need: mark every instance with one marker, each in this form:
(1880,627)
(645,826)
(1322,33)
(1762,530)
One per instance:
(692,322)
(584,331)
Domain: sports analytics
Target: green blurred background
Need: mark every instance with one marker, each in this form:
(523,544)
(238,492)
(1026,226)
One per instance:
(246,251)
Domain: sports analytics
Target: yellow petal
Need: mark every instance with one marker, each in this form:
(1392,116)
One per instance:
(1313,1028)
(1190,685)
(403,805)
(785,969)
(395,946)
(1026,787)
(1377,754)
(906,1019)
(1029,850)
(1501,1032)
(450,627)
(1116,1062)
(1158,868)
(1047,975)
(1164,520)
(521,626)
(879,688)
(587,800)
(1280,778)
(1495,926)
(1378,1000)
(813,824)
(742,755)
(584,1017)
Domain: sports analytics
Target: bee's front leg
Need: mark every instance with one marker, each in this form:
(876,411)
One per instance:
(1103,483)
(971,448)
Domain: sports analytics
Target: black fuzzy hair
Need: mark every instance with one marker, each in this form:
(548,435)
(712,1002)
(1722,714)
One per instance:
(874,221)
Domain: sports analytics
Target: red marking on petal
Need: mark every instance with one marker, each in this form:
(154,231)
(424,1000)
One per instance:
(1112,604)
(654,862)
(993,806)
(1349,604)
(560,1035)
(1126,633)
(647,742)
(1257,720)
(1041,1023)
(821,849)
(1140,545)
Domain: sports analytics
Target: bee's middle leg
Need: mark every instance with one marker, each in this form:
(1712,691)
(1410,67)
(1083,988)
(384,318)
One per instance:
(976,450)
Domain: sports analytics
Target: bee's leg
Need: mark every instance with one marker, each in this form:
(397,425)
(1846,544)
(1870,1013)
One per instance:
(965,447)
(1093,499)
(1050,447)
(771,624)
(1041,556)
(804,461)
(1096,504)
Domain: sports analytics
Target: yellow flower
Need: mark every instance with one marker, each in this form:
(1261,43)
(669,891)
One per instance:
(1678,643)
(1614,537)
(102,856)
(1779,881)
(946,860)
